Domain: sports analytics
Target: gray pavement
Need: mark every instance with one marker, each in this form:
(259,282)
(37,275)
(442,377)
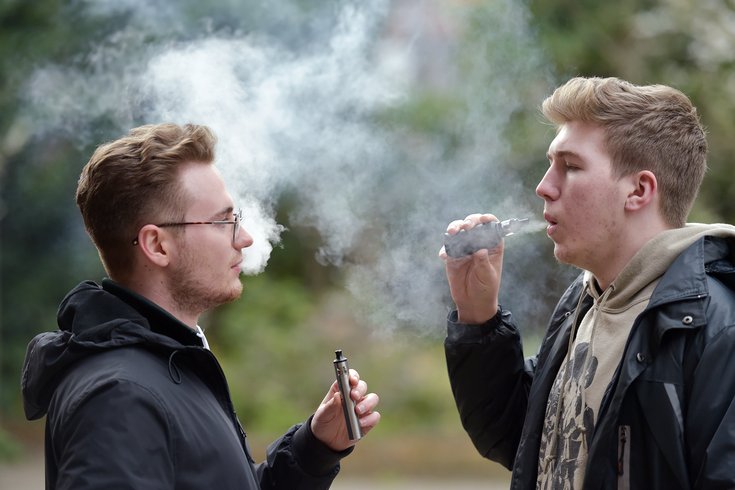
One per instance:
(27,474)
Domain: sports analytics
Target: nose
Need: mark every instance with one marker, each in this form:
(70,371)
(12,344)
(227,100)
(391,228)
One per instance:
(547,188)
(243,239)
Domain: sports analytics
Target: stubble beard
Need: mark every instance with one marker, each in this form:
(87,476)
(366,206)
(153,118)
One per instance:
(190,294)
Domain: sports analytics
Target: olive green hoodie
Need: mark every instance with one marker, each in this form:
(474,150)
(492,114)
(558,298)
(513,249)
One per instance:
(595,352)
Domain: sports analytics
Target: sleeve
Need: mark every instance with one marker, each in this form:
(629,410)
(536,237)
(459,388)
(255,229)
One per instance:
(710,420)
(298,460)
(490,382)
(116,437)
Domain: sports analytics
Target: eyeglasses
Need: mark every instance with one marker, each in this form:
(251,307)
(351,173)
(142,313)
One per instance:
(235,222)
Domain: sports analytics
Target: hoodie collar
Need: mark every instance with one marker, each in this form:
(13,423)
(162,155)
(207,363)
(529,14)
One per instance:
(94,319)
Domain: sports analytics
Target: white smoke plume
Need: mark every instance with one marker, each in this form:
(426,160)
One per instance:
(306,116)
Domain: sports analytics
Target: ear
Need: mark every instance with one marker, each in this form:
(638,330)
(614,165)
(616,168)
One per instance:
(155,245)
(644,188)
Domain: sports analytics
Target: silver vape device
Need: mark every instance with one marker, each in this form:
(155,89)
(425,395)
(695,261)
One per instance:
(342,370)
(485,235)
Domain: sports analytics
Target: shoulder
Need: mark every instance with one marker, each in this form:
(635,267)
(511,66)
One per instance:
(720,274)
(720,309)
(132,363)
(119,376)
(720,267)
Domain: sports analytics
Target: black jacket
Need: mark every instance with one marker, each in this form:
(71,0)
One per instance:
(667,421)
(134,401)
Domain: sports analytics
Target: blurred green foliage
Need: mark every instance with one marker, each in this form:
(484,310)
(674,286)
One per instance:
(10,449)
(276,343)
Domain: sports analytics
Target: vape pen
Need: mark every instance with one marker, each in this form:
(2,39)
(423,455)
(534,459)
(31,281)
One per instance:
(485,235)
(348,405)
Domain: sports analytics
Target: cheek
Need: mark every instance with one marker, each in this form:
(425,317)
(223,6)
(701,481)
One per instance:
(594,207)
(206,256)
(583,201)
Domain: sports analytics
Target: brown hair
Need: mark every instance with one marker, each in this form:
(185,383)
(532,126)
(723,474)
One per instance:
(650,127)
(132,181)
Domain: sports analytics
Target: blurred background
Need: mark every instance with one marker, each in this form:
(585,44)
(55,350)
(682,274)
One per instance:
(351,132)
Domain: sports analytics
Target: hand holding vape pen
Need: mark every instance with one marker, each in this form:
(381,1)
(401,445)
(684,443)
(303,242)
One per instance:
(342,371)
(484,235)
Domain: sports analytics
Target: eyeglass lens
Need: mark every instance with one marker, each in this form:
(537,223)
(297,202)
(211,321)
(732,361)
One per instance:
(236,227)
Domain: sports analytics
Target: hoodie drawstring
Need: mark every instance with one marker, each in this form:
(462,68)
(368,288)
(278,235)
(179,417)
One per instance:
(173,370)
(200,334)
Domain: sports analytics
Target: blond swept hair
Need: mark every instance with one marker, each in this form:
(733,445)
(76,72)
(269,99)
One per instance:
(649,127)
(133,181)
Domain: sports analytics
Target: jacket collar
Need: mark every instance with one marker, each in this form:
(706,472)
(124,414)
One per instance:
(159,320)
(680,296)
(685,278)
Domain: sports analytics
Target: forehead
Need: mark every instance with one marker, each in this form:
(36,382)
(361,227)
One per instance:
(584,139)
(205,188)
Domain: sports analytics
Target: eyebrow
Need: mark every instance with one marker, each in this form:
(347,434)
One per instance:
(225,211)
(564,153)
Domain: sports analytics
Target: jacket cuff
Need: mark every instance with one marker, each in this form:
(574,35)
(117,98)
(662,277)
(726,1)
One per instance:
(470,333)
(315,457)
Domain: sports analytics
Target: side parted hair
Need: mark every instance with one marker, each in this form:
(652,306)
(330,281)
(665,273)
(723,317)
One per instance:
(133,181)
(649,127)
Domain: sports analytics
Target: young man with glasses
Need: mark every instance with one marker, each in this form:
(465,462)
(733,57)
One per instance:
(133,396)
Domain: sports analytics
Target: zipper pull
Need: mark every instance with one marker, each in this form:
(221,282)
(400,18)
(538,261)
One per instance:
(622,441)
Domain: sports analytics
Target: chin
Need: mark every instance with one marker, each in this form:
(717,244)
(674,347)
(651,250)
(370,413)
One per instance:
(562,255)
(236,291)
(229,293)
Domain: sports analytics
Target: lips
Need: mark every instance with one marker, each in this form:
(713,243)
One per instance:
(551,223)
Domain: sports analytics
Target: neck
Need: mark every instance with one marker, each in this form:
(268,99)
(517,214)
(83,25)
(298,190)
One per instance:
(153,289)
(632,239)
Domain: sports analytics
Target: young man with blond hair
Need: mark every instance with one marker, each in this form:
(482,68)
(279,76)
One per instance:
(633,384)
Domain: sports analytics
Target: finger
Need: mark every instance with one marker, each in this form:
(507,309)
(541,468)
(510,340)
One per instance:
(359,391)
(456,263)
(455,226)
(481,255)
(475,219)
(470,221)
(354,377)
(369,421)
(330,393)
(367,404)
(487,218)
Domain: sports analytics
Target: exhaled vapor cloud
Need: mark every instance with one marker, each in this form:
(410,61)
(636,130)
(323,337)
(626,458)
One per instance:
(312,117)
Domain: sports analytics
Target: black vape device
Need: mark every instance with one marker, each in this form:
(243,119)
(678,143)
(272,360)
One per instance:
(485,235)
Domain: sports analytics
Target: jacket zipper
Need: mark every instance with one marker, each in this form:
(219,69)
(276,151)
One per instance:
(228,402)
(624,457)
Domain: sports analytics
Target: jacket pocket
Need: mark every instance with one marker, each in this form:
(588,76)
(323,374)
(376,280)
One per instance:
(624,457)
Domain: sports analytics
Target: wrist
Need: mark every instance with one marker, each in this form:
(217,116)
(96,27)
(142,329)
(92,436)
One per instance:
(476,316)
